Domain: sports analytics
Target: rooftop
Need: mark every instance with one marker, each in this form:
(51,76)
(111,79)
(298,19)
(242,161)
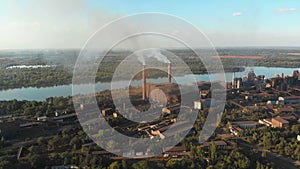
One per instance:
(245,122)
(175,149)
(291,97)
(279,119)
(218,143)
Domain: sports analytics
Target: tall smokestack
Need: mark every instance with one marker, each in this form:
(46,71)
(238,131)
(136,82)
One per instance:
(169,72)
(233,81)
(144,83)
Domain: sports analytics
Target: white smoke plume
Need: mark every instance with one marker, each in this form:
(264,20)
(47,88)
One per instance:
(152,53)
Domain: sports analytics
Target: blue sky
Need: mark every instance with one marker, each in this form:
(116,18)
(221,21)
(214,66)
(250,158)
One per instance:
(69,23)
(211,14)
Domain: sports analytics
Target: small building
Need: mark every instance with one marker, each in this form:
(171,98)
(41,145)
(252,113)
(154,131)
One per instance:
(165,110)
(291,99)
(279,122)
(245,124)
(220,144)
(107,112)
(104,153)
(5,117)
(286,110)
(267,122)
(65,167)
(64,118)
(203,103)
(22,152)
(29,124)
(235,130)
(177,151)
(59,113)
(42,118)
(197,105)
(289,118)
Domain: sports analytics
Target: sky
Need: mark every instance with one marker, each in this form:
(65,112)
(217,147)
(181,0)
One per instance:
(36,24)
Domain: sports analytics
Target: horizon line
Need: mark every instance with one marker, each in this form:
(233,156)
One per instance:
(217,47)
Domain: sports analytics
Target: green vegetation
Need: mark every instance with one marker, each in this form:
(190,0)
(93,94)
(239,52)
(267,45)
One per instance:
(281,141)
(33,77)
(33,109)
(64,61)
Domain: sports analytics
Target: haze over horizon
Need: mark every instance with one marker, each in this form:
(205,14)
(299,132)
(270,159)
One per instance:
(35,24)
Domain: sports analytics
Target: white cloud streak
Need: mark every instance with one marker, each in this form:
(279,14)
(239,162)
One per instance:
(286,10)
(237,14)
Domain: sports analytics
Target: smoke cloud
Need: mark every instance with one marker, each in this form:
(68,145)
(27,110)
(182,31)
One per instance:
(152,53)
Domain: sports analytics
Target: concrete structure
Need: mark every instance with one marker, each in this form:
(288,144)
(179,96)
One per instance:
(164,92)
(236,83)
(147,88)
(232,80)
(251,76)
(260,82)
(294,79)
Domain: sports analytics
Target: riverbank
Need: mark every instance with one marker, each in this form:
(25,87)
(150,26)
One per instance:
(39,94)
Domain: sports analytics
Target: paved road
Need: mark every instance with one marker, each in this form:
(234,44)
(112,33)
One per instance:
(280,161)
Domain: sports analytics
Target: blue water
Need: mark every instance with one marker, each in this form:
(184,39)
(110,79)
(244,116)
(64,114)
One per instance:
(40,94)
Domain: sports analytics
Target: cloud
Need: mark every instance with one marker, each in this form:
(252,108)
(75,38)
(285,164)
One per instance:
(237,14)
(286,10)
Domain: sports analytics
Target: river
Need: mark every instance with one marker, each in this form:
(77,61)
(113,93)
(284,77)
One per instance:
(40,94)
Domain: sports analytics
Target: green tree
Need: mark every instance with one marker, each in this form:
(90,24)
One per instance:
(141,165)
(295,129)
(200,153)
(213,151)
(124,164)
(264,154)
(258,165)
(4,164)
(173,164)
(266,142)
(114,165)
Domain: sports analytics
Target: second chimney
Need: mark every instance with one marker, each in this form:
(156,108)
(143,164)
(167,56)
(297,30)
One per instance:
(144,83)
(169,73)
